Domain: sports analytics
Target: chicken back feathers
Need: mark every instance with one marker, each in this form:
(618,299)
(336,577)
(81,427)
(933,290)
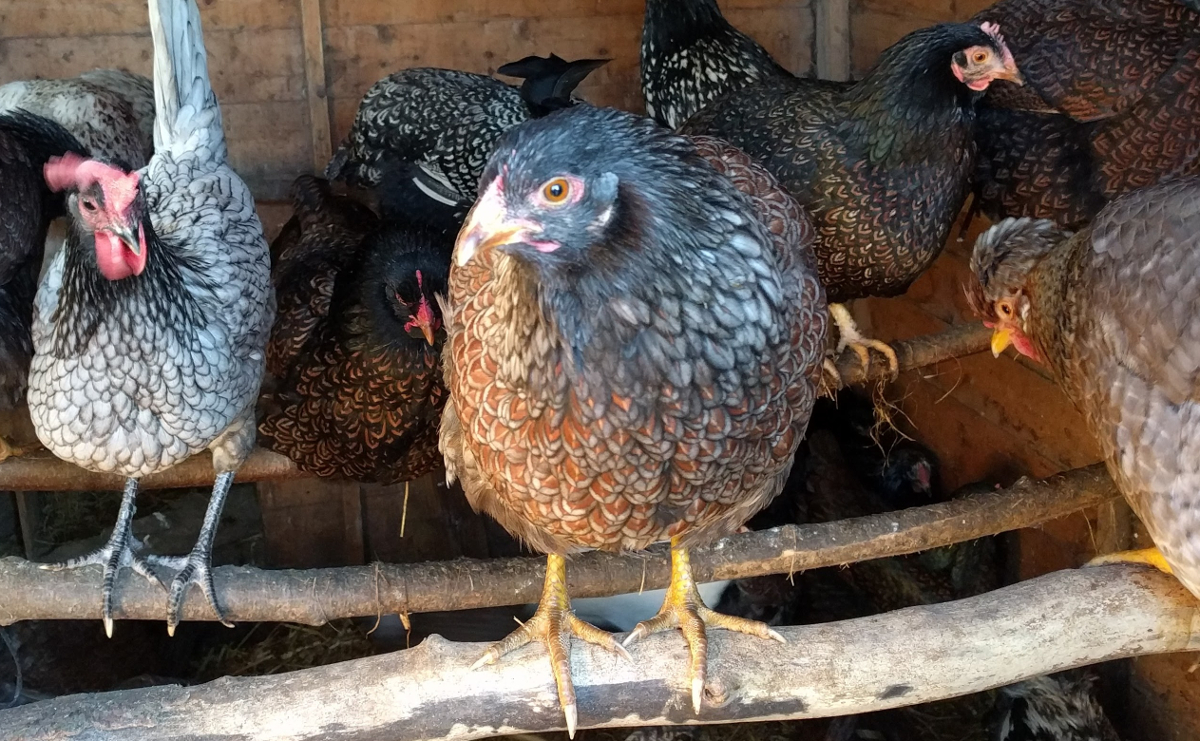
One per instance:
(132,376)
(1112,103)
(652,375)
(359,395)
(1111,310)
(882,165)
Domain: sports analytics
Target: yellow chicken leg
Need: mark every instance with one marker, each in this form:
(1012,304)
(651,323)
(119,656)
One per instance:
(684,609)
(1147,556)
(8,450)
(849,336)
(552,625)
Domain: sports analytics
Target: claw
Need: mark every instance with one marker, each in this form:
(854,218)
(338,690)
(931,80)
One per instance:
(8,450)
(850,337)
(552,625)
(685,609)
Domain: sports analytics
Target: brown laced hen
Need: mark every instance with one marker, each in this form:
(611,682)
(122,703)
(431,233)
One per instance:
(356,344)
(882,165)
(1111,103)
(1112,311)
(634,344)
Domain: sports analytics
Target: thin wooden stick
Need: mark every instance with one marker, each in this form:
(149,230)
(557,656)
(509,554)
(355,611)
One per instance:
(1065,619)
(314,597)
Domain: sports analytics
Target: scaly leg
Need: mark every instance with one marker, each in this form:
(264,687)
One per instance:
(849,336)
(118,552)
(196,567)
(8,450)
(1147,556)
(552,625)
(684,609)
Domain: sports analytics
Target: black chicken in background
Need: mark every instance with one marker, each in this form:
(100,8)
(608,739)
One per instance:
(356,343)
(1056,707)
(446,122)
(883,165)
(28,206)
(692,56)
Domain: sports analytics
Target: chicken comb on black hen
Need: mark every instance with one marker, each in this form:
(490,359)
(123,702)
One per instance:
(446,122)
(549,81)
(356,343)
(692,56)
(1112,103)
(27,142)
(883,165)
(635,332)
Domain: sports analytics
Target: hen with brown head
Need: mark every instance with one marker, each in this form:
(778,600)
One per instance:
(635,335)
(1111,310)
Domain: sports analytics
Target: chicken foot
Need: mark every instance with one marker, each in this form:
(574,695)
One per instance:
(117,553)
(552,625)
(196,567)
(685,609)
(8,450)
(849,336)
(1146,556)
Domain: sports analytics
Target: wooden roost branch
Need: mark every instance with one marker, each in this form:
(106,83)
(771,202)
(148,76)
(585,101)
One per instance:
(1066,619)
(316,596)
(43,472)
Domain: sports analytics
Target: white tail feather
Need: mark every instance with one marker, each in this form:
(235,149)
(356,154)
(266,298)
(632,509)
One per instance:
(186,112)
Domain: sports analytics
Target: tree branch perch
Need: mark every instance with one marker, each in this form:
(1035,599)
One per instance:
(1063,620)
(316,596)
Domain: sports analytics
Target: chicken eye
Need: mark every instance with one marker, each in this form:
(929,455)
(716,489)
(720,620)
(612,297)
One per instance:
(1006,309)
(556,191)
(88,205)
(980,57)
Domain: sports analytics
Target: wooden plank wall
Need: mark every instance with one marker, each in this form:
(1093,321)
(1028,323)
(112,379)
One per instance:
(257,54)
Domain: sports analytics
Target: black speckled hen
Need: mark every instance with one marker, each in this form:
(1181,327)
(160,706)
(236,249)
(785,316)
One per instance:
(356,343)
(446,122)
(883,165)
(1112,103)
(635,335)
(692,56)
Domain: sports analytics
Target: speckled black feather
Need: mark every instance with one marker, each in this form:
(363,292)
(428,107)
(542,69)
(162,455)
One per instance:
(883,165)
(691,56)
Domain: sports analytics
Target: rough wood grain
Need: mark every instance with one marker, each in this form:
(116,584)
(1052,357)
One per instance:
(832,39)
(1065,619)
(317,92)
(314,597)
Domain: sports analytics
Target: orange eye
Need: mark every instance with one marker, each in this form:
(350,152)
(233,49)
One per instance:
(980,57)
(557,190)
(1005,308)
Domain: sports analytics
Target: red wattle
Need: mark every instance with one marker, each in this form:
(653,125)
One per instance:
(115,259)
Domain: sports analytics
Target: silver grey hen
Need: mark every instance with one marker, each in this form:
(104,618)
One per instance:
(151,324)
(446,123)
(110,111)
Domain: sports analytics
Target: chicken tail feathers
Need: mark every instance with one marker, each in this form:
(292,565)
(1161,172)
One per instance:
(185,105)
(549,81)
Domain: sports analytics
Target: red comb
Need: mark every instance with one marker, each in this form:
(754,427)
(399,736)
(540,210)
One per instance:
(62,172)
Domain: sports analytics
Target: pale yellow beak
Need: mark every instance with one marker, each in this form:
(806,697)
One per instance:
(488,225)
(1001,339)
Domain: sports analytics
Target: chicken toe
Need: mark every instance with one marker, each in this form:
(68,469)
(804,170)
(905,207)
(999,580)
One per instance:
(685,609)
(849,336)
(8,450)
(552,625)
(119,552)
(196,567)
(1147,556)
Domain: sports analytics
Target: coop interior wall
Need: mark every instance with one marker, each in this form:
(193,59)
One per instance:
(987,419)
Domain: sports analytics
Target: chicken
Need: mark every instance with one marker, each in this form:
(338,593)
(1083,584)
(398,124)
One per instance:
(882,165)
(1112,104)
(27,142)
(635,333)
(1056,707)
(150,326)
(111,112)
(356,344)
(447,122)
(1111,311)
(691,56)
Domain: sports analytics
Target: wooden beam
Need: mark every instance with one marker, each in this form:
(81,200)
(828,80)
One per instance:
(314,597)
(831,36)
(920,654)
(318,93)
